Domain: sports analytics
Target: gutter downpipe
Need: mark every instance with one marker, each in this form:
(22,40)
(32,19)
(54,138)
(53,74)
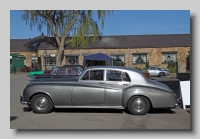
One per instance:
(128,56)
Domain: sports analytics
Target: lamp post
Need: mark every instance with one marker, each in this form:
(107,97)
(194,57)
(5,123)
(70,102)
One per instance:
(34,62)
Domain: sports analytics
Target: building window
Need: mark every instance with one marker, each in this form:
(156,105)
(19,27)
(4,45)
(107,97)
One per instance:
(118,60)
(168,57)
(139,58)
(72,60)
(50,60)
(118,57)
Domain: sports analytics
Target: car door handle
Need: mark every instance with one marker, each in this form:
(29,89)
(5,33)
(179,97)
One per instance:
(101,82)
(126,84)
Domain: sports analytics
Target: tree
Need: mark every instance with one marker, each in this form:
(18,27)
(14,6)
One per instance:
(68,27)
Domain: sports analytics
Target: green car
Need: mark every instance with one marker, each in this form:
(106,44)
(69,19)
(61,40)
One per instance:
(33,73)
(47,71)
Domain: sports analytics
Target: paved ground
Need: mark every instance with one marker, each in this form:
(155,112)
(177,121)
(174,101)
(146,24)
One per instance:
(89,118)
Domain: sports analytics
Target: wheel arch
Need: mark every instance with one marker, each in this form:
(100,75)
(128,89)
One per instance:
(133,95)
(44,93)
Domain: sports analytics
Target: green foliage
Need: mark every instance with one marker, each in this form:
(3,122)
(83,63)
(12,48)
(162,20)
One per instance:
(78,25)
(172,67)
(145,71)
(172,70)
(118,63)
(147,64)
(138,68)
(73,28)
(106,63)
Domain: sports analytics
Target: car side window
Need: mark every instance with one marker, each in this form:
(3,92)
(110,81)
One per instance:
(113,75)
(93,75)
(61,71)
(72,71)
(54,71)
(125,77)
(153,68)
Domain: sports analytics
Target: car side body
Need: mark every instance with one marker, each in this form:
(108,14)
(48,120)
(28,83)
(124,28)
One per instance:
(100,87)
(157,71)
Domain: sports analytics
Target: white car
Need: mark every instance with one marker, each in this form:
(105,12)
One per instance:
(157,71)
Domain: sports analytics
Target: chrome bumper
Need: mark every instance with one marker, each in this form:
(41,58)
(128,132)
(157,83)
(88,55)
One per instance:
(178,102)
(22,101)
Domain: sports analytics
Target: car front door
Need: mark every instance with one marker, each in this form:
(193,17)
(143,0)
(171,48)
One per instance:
(116,81)
(90,89)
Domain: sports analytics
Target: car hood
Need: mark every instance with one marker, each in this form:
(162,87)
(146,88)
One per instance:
(159,85)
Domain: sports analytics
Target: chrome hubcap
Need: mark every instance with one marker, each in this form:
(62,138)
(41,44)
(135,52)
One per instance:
(138,105)
(41,103)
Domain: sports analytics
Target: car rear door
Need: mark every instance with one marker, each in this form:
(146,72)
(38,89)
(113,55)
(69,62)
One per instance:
(116,81)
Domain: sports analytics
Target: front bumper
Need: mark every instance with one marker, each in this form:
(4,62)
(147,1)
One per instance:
(22,101)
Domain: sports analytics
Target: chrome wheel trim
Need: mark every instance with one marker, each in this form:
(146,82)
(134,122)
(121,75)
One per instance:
(162,74)
(41,103)
(138,105)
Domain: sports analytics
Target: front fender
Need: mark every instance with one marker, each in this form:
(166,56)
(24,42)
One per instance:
(31,91)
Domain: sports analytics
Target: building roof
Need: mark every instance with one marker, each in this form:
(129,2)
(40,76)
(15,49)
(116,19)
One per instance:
(104,42)
(26,45)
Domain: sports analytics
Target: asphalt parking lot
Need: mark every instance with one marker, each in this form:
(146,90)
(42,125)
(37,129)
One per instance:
(167,119)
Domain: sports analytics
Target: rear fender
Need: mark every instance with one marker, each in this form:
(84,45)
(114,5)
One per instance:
(136,91)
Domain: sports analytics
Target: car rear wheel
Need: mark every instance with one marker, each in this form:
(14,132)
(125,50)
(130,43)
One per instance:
(138,105)
(162,74)
(41,104)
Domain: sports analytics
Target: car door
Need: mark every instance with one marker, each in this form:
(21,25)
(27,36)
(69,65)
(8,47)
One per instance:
(152,71)
(90,89)
(116,81)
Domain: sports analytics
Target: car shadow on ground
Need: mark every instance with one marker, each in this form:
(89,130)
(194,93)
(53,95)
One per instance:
(91,110)
(161,111)
(86,110)
(12,118)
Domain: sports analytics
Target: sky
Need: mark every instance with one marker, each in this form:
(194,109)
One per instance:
(121,22)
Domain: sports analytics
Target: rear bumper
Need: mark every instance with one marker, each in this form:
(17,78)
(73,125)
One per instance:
(178,102)
(22,101)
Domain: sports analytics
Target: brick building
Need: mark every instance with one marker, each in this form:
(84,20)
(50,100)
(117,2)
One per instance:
(133,50)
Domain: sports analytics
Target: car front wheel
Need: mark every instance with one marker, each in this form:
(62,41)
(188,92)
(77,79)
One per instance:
(138,105)
(41,104)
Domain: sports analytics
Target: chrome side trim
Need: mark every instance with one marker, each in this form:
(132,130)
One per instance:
(104,107)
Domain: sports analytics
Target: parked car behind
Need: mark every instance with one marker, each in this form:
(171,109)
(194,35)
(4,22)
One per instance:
(40,72)
(62,72)
(49,69)
(74,65)
(112,87)
(157,71)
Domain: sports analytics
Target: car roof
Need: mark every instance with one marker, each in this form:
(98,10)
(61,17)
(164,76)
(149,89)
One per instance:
(113,67)
(73,65)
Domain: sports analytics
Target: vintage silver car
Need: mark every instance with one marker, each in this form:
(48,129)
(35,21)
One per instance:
(157,71)
(112,87)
